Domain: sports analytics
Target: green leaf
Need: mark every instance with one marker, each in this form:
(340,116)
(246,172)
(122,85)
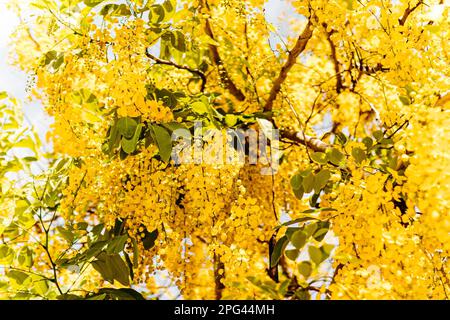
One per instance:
(308,183)
(327,248)
(50,56)
(129,264)
(368,142)
(172,126)
(296,181)
(199,107)
(321,231)
(302,294)
(298,239)
(315,254)
(21,207)
(81,225)
(112,267)
(320,234)
(30,159)
(97,230)
(284,286)
(93,251)
(129,145)
(149,239)
(230,120)
(114,137)
(66,234)
(179,41)
(305,268)
(58,62)
(278,251)
(127,127)
(18,279)
(117,244)
(405,100)
(319,157)
(92,3)
(164,142)
(358,154)
(103,267)
(341,138)
(168,98)
(156,14)
(119,269)
(311,228)
(299,193)
(335,156)
(40,285)
(101,296)
(115,10)
(378,135)
(290,231)
(169,6)
(292,254)
(6,255)
(321,179)
(306,172)
(25,257)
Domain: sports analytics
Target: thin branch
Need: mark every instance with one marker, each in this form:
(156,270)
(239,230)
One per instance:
(247,59)
(224,76)
(311,142)
(339,85)
(299,47)
(407,12)
(182,67)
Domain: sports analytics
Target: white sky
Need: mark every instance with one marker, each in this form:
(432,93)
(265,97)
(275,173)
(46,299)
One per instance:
(11,80)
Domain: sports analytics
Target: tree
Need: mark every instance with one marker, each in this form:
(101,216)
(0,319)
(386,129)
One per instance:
(348,198)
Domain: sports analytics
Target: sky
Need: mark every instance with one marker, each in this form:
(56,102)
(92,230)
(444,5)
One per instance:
(13,80)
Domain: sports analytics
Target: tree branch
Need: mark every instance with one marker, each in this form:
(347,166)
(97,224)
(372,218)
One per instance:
(339,85)
(299,46)
(308,141)
(224,76)
(182,67)
(407,12)
(218,278)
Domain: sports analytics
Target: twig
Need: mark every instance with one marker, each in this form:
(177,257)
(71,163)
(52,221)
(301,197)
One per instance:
(407,12)
(299,47)
(311,142)
(339,85)
(178,66)
(225,78)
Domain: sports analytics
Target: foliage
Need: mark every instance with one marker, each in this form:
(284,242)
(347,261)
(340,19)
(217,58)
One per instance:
(360,212)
